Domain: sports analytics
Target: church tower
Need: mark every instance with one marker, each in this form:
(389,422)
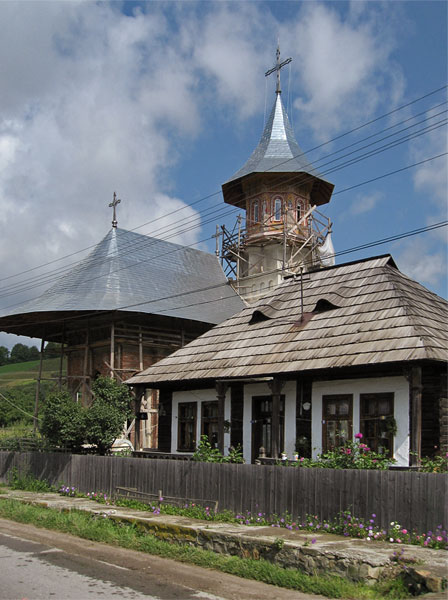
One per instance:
(280,192)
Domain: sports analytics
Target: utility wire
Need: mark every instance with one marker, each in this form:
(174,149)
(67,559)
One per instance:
(372,244)
(51,276)
(235,210)
(217,193)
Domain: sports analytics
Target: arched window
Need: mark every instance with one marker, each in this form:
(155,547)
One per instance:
(277,209)
(271,284)
(256,216)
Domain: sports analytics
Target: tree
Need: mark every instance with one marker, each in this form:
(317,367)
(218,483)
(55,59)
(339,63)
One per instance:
(23,353)
(4,355)
(107,415)
(52,350)
(63,421)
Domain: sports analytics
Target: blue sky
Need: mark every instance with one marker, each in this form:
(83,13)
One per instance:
(164,101)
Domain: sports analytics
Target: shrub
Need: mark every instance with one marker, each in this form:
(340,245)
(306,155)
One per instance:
(63,422)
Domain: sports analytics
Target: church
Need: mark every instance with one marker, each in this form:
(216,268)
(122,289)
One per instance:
(322,351)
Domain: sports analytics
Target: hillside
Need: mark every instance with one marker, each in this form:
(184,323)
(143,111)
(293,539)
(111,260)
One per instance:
(20,374)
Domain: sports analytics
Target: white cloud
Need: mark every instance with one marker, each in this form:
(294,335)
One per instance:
(365,203)
(344,65)
(422,260)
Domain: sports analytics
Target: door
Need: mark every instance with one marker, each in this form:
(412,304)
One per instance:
(262,424)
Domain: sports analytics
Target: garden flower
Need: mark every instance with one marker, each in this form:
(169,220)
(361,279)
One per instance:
(359,436)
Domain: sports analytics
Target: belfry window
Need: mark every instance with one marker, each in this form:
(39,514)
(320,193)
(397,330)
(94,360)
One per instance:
(278,209)
(256,214)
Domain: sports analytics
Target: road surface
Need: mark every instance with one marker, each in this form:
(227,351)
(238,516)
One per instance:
(40,564)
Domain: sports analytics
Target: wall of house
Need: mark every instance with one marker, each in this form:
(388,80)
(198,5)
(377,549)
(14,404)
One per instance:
(399,386)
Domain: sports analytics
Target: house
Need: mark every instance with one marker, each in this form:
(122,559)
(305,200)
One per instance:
(358,347)
(132,301)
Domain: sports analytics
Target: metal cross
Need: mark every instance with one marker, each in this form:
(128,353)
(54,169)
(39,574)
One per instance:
(277,68)
(113,205)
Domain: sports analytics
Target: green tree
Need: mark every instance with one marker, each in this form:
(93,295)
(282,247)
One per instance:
(107,415)
(63,421)
(4,355)
(23,353)
(52,350)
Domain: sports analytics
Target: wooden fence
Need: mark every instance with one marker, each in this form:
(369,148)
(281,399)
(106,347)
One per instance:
(416,500)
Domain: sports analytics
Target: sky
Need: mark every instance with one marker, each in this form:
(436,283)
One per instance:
(163,102)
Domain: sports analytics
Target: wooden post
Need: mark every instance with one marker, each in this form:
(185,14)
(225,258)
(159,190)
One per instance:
(415,397)
(85,367)
(140,348)
(39,377)
(61,364)
(112,350)
(276,387)
(221,389)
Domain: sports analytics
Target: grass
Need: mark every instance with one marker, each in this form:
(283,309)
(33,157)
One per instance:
(105,530)
(19,374)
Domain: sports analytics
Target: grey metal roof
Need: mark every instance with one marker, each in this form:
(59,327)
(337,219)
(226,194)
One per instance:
(136,273)
(362,313)
(279,152)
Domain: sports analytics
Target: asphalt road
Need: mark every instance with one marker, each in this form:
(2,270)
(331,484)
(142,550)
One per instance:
(40,564)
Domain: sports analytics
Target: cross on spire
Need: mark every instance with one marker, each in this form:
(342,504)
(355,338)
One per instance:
(113,205)
(277,68)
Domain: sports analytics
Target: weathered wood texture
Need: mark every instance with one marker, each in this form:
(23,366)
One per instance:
(416,500)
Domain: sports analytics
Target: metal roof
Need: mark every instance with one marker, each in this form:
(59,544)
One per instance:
(360,313)
(279,152)
(135,273)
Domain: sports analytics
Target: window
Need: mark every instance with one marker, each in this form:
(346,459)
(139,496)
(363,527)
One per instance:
(186,436)
(377,421)
(210,422)
(278,209)
(256,212)
(299,211)
(336,420)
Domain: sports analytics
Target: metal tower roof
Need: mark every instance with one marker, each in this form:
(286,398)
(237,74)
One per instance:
(279,152)
(135,273)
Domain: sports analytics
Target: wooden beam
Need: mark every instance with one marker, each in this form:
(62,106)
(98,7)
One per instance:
(85,366)
(140,348)
(221,389)
(415,398)
(39,377)
(276,388)
(112,350)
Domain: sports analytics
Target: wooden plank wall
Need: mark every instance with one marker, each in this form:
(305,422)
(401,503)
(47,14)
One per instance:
(416,500)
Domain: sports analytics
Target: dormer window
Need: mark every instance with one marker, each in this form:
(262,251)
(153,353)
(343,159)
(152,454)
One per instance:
(277,209)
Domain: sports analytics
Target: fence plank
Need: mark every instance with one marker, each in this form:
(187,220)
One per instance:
(416,500)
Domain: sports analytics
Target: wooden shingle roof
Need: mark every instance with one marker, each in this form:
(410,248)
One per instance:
(360,313)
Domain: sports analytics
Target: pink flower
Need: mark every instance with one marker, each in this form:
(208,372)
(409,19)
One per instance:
(439,538)
(359,436)
(348,451)
(404,531)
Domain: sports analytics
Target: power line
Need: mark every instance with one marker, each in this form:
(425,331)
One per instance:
(372,244)
(431,93)
(52,276)
(176,249)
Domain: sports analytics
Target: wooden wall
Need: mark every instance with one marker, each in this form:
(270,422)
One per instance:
(416,500)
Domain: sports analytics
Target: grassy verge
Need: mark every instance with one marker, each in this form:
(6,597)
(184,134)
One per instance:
(102,529)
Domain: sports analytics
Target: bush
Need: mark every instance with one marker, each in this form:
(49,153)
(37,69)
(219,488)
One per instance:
(206,453)
(107,415)
(63,422)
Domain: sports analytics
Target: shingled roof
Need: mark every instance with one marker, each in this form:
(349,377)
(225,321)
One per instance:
(355,314)
(135,273)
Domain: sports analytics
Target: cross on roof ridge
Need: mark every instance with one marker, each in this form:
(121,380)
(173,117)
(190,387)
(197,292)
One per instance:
(277,68)
(113,205)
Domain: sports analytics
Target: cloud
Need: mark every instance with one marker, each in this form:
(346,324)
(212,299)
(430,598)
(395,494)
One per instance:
(345,66)
(422,260)
(365,203)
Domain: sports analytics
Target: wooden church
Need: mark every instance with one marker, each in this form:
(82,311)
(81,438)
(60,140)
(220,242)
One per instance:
(131,302)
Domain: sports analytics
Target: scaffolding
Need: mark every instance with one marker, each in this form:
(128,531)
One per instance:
(301,243)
